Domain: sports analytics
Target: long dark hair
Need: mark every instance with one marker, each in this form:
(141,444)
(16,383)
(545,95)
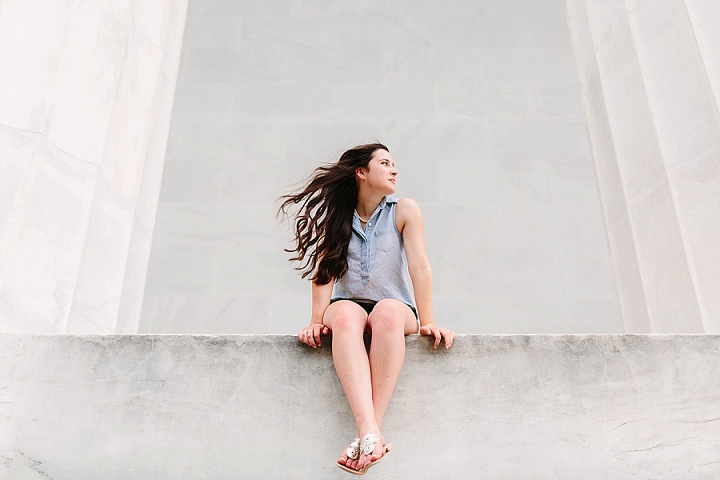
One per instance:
(323,223)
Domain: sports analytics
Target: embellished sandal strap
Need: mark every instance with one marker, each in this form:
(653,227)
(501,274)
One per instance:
(353,450)
(367,446)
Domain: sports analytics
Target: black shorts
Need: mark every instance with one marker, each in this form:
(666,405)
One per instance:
(368,305)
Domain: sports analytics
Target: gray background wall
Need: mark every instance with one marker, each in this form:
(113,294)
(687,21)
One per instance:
(478,102)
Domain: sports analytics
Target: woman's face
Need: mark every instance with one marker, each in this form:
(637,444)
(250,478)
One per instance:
(381,174)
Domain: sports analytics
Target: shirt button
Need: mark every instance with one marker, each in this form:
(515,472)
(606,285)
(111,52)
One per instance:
(370,224)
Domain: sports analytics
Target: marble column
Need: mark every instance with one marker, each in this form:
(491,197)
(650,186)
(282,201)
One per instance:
(650,76)
(86,93)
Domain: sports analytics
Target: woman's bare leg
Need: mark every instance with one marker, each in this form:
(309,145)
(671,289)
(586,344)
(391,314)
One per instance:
(389,322)
(348,320)
(369,381)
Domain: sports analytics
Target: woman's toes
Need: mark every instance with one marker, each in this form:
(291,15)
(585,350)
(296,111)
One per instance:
(377,453)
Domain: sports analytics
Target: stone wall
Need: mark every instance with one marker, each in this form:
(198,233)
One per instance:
(209,407)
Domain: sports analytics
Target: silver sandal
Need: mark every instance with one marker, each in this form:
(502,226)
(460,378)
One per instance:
(353,453)
(367,446)
(353,450)
(368,443)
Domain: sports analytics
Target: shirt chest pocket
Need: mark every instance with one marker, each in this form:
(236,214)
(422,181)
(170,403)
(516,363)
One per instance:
(385,240)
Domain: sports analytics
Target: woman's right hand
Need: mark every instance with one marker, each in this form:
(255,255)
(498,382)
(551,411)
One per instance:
(310,335)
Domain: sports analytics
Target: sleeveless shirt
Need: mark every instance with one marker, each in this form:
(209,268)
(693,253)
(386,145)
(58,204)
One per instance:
(377,265)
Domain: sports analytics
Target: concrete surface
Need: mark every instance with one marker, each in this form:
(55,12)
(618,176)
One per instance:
(492,407)
(477,101)
(649,74)
(86,92)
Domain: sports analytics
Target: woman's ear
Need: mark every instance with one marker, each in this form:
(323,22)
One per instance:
(360,173)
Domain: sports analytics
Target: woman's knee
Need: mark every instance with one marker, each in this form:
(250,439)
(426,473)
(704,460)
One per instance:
(388,315)
(347,317)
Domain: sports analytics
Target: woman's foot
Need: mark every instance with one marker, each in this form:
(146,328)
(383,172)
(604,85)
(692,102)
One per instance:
(361,460)
(350,455)
(372,449)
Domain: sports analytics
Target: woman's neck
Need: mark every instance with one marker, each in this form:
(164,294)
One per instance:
(366,205)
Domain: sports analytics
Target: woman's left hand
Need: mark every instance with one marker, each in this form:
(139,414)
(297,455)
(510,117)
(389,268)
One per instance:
(439,333)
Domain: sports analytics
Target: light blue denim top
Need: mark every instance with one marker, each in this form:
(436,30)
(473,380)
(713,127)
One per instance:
(377,265)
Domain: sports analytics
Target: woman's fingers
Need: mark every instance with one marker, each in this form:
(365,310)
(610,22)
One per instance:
(306,336)
(449,338)
(432,331)
(439,334)
(310,335)
(316,335)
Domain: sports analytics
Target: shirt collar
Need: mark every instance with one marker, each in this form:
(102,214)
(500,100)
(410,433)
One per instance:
(356,220)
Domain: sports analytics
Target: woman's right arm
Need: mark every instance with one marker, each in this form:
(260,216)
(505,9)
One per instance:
(320,301)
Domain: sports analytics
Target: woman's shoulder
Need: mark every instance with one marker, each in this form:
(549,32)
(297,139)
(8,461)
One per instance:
(408,211)
(407,204)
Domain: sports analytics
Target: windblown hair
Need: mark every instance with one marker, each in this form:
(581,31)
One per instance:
(323,223)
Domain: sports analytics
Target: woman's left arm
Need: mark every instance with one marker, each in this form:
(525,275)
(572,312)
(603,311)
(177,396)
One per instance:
(411,226)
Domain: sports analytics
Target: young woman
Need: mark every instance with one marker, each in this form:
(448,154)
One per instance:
(359,243)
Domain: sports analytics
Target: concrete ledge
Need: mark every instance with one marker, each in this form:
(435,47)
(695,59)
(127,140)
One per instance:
(237,406)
